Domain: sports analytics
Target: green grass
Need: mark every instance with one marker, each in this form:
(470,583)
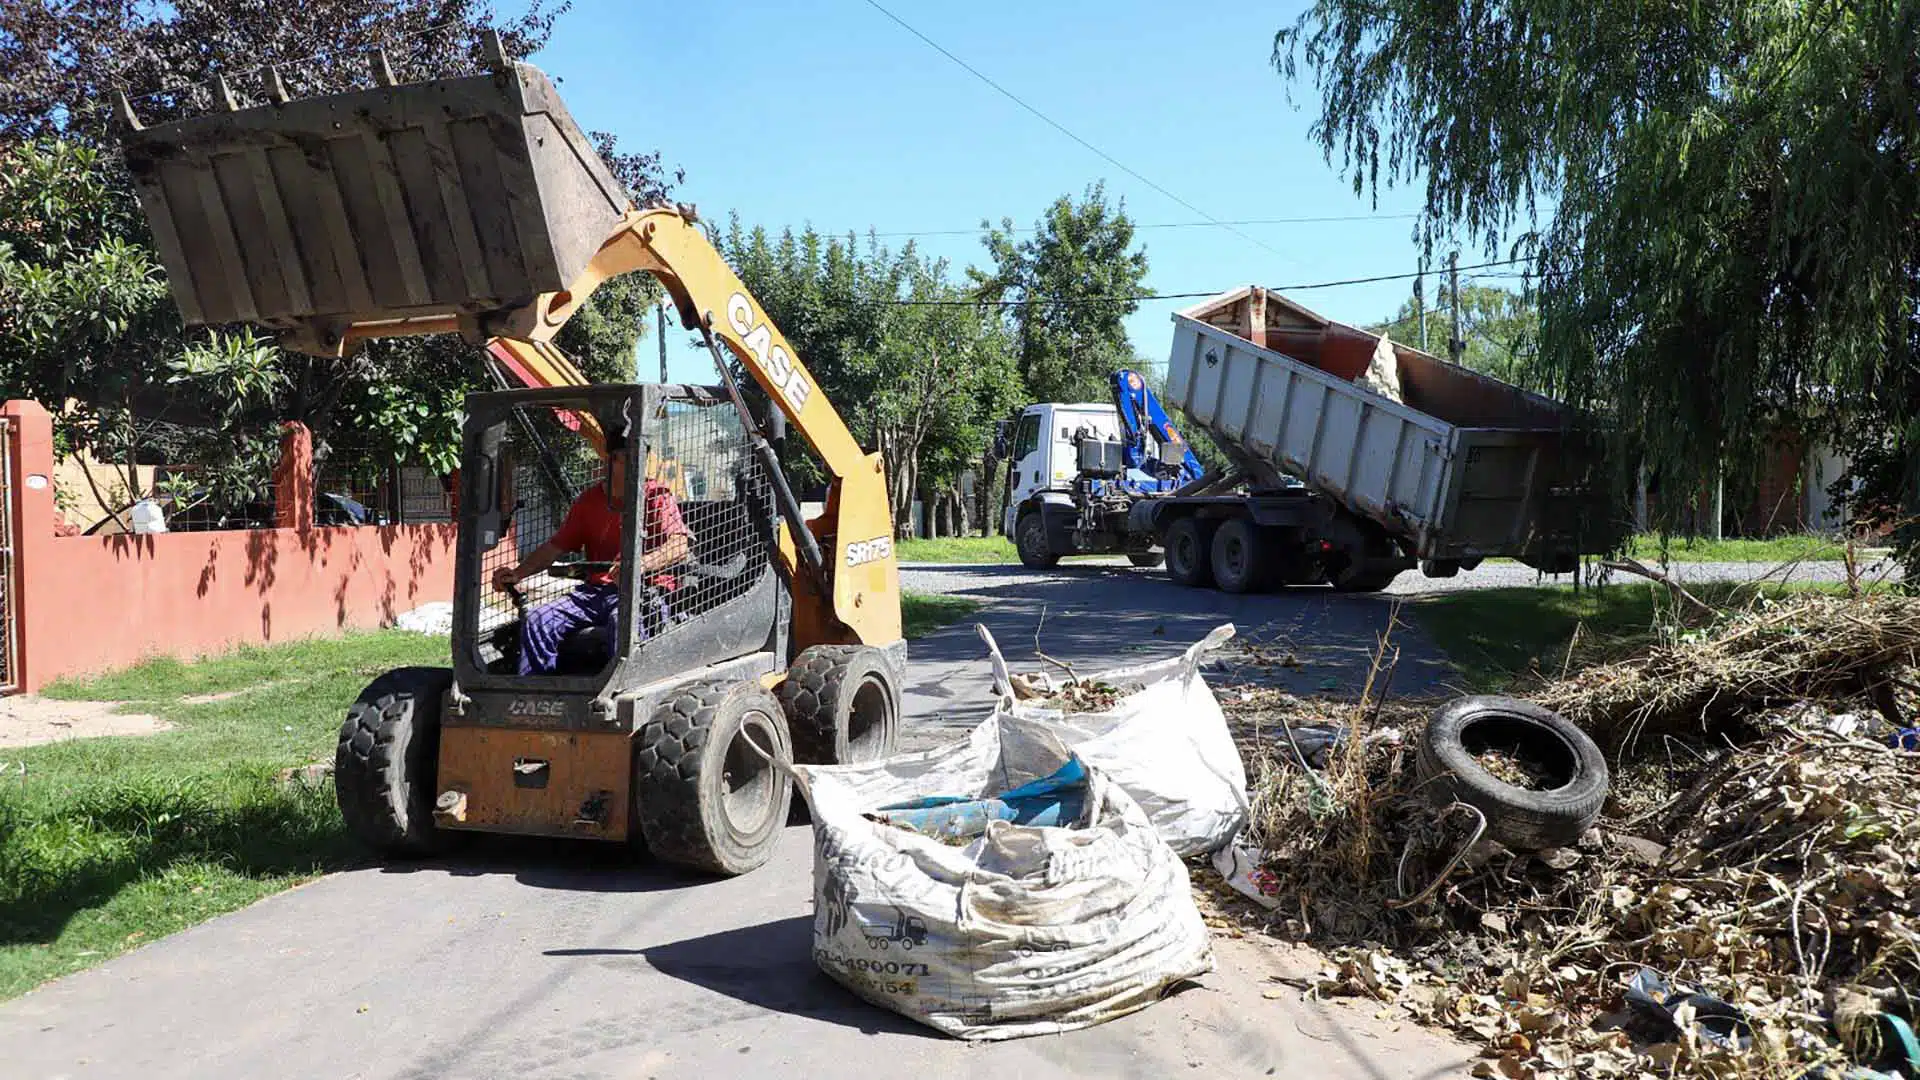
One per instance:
(1495,637)
(923,613)
(958,549)
(1778,549)
(967,549)
(106,844)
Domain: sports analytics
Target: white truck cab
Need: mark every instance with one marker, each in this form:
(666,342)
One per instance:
(1044,458)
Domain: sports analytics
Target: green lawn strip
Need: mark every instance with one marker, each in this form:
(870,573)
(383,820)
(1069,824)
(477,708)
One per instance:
(1778,549)
(923,613)
(106,844)
(957,549)
(1495,637)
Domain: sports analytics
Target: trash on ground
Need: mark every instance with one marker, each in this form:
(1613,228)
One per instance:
(1027,929)
(1670,1014)
(1757,837)
(1162,738)
(434,618)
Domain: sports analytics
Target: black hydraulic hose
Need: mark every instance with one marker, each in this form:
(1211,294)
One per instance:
(784,500)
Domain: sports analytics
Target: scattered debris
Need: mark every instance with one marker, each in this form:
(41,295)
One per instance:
(1765,857)
(434,618)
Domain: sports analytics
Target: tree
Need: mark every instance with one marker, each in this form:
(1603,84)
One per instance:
(918,370)
(85,321)
(1501,329)
(1065,293)
(1735,193)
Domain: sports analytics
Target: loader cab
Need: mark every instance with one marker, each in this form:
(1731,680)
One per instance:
(530,455)
(1045,454)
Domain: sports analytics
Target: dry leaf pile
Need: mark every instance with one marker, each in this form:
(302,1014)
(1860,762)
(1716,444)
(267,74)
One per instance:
(1780,872)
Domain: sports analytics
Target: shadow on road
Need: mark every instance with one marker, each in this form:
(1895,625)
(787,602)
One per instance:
(545,863)
(769,966)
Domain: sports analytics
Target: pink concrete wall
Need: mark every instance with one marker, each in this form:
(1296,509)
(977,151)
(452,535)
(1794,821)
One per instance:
(92,603)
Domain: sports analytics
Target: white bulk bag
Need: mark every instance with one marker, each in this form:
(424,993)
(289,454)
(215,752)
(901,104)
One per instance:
(1165,741)
(1025,930)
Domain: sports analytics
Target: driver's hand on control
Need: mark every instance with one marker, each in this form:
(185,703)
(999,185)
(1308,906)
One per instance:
(505,578)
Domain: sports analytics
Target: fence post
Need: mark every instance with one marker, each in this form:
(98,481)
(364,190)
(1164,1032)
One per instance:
(31,607)
(293,478)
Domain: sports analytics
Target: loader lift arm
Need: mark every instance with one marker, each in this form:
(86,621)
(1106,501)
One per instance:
(847,551)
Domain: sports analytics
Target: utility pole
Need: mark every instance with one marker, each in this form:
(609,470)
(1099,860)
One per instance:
(1420,307)
(1456,345)
(662,312)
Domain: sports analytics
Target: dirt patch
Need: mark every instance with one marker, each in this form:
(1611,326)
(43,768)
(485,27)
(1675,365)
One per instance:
(28,721)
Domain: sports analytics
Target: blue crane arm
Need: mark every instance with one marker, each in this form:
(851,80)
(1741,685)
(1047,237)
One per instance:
(1141,414)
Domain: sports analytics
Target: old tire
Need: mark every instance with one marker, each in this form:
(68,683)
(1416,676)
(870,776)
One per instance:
(384,766)
(704,797)
(1030,540)
(842,705)
(1189,552)
(1237,557)
(1522,819)
(1148,559)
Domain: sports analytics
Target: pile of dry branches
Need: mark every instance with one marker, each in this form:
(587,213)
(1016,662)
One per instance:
(1779,870)
(1814,647)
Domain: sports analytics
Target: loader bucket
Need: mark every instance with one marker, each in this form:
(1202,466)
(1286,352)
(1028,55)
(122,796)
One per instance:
(415,204)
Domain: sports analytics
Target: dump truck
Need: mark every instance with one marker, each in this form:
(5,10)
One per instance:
(1353,459)
(634,656)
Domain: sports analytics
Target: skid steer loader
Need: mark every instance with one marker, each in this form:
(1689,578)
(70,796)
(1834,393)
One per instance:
(734,633)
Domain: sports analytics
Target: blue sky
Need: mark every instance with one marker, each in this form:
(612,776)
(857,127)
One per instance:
(830,113)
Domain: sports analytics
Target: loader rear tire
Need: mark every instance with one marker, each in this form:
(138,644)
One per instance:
(705,795)
(1148,559)
(1030,540)
(1189,548)
(842,705)
(388,756)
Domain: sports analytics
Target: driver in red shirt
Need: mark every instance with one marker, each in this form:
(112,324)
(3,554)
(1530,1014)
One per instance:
(592,526)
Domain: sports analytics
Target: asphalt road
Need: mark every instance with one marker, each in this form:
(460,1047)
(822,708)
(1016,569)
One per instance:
(546,961)
(540,965)
(559,962)
(1101,613)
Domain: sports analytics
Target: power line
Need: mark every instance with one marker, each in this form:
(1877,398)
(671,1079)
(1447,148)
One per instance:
(1124,299)
(1209,223)
(1062,128)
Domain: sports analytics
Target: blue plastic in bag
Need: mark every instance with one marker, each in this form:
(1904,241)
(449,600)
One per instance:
(1059,799)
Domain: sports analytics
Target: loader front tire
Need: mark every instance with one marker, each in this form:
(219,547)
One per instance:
(705,794)
(842,705)
(385,764)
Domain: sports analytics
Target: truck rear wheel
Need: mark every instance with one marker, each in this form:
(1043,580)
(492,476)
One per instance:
(1361,576)
(705,795)
(1236,554)
(842,705)
(388,756)
(1030,540)
(1189,553)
